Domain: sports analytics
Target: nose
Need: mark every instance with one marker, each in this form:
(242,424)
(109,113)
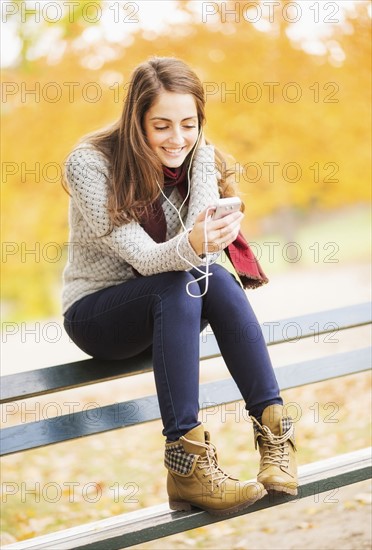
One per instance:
(176,137)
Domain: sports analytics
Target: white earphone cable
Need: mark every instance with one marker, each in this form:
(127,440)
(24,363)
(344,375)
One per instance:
(205,274)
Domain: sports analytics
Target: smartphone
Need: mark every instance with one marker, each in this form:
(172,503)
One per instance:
(226,206)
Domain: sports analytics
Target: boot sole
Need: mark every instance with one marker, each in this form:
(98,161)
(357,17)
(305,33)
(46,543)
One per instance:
(183,506)
(281,489)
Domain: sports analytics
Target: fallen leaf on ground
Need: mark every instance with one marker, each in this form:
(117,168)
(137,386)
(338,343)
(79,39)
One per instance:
(305,525)
(364,498)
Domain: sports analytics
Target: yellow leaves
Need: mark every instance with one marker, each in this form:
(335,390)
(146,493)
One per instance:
(312,511)
(364,498)
(304,525)
(27,535)
(349,505)
(287,117)
(268,530)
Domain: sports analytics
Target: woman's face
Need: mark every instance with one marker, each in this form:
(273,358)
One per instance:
(171,127)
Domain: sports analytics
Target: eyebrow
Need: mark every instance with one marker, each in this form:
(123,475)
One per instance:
(169,120)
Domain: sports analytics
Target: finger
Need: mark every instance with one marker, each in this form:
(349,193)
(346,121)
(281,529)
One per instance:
(230,239)
(224,236)
(208,211)
(226,230)
(226,220)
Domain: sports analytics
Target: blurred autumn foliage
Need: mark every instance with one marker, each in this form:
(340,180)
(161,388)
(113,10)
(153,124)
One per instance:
(297,123)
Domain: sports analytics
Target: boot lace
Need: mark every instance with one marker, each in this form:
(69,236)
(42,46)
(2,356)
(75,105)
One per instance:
(209,464)
(276,446)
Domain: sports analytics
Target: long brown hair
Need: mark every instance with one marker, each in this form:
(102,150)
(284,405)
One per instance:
(134,167)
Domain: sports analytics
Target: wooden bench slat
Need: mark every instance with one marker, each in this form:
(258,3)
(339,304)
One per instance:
(126,530)
(80,424)
(89,371)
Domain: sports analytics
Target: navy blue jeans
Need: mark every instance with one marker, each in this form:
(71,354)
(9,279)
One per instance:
(121,321)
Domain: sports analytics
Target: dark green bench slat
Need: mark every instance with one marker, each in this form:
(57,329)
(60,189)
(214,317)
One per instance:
(89,371)
(293,375)
(70,375)
(63,428)
(139,527)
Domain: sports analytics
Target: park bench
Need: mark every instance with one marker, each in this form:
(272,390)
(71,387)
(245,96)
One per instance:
(158,521)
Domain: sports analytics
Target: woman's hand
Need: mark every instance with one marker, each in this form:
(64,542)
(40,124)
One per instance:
(220,233)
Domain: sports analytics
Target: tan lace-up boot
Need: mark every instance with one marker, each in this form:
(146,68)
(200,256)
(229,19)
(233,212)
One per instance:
(195,478)
(275,439)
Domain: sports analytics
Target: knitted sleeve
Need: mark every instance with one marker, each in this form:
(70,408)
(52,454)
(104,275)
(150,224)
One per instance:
(87,172)
(204,188)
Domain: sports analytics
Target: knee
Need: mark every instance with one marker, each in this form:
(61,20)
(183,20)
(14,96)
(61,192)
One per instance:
(176,295)
(176,281)
(223,278)
(225,292)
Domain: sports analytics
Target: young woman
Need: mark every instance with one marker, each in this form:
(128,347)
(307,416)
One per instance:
(143,241)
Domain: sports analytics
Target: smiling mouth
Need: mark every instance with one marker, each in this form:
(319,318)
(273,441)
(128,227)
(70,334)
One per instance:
(173,151)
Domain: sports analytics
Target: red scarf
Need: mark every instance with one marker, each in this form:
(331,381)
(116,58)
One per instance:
(239,252)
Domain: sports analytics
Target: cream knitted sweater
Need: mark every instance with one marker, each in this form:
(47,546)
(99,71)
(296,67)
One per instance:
(95,260)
